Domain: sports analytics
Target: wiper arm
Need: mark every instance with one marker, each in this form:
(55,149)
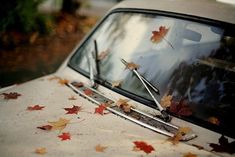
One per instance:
(164,115)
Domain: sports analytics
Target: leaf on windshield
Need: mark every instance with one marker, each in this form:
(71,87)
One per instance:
(100,109)
(103,55)
(132,66)
(65,136)
(179,135)
(158,35)
(60,124)
(73,110)
(117,83)
(100,148)
(35,107)
(11,95)
(41,151)
(88,92)
(45,127)
(189,154)
(213,120)
(141,145)
(122,104)
(181,108)
(166,101)
(223,146)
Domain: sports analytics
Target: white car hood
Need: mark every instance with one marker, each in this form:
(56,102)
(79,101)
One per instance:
(19,135)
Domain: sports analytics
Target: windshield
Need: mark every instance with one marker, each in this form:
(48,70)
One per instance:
(191,63)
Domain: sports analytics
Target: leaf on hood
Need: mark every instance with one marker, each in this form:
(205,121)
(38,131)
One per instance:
(41,151)
(100,148)
(63,81)
(122,104)
(35,107)
(189,154)
(141,145)
(65,136)
(100,109)
(213,120)
(132,66)
(179,135)
(103,55)
(60,124)
(166,101)
(78,84)
(11,95)
(181,108)
(88,92)
(72,98)
(45,127)
(73,110)
(223,146)
(158,35)
(116,83)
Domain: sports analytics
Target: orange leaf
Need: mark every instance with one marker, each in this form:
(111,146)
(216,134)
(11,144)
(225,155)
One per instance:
(35,107)
(100,148)
(88,92)
(73,110)
(179,135)
(63,81)
(11,95)
(141,145)
(100,109)
(65,136)
(157,36)
(166,101)
(189,154)
(41,151)
(214,120)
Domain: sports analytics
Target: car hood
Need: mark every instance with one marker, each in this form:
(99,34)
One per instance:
(91,134)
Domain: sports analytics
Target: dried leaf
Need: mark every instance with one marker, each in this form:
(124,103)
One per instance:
(223,146)
(179,135)
(45,127)
(73,110)
(35,107)
(100,148)
(141,145)
(72,98)
(41,151)
(122,103)
(157,36)
(103,55)
(214,120)
(132,66)
(88,92)
(60,124)
(11,95)
(78,84)
(100,109)
(63,81)
(65,136)
(166,101)
(189,154)
(181,108)
(116,83)
(33,37)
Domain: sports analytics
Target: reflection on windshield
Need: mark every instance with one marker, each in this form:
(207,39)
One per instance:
(192,62)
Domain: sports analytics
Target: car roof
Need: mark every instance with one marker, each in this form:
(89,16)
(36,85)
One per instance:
(210,9)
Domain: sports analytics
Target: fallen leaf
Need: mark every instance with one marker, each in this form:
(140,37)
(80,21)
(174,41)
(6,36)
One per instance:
(41,151)
(166,101)
(11,95)
(121,101)
(63,81)
(141,145)
(100,148)
(122,104)
(181,108)
(103,55)
(73,110)
(72,98)
(223,146)
(100,109)
(60,124)
(179,135)
(158,35)
(53,78)
(214,120)
(189,154)
(65,136)
(45,127)
(33,37)
(116,83)
(35,107)
(78,84)
(88,92)
(132,66)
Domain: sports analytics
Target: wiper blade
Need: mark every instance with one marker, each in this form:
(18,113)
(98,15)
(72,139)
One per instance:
(164,115)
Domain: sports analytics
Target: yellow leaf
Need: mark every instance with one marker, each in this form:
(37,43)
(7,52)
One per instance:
(122,103)
(189,154)
(63,81)
(41,151)
(100,148)
(179,135)
(166,101)
(60,124)
(116,83)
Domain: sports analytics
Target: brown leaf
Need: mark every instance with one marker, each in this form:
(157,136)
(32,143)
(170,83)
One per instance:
(189,154)
(45,127)
(181,108)
(72,98)
(214,120)
(132,66)
(33,37)
(166,101)
(179,135)
(141,145)
(78,84)
(11,95)
(73,110)
(63,81)
(41,151)
(158,35)
(100,148)
(35,107)
(122,103)
(223,146)
(116,83)
(103,55)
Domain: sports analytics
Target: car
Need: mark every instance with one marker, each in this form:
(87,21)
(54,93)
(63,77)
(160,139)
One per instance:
(152,78)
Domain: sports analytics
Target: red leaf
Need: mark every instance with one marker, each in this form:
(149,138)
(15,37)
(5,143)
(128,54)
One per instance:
(11,95)
(88,92)
(73,110)
(181,108)
(143,146)
(223,146)
(45,127)
(65,136)
(159,35)
(35,107)
(100,109)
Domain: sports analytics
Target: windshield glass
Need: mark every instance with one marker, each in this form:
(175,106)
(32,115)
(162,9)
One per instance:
(191,63)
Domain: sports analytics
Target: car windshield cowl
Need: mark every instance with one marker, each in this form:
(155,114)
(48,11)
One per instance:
(191,62)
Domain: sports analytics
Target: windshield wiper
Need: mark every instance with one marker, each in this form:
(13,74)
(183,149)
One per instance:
(164,115)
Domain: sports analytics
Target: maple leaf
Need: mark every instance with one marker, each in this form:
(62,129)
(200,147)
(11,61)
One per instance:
(41,151)
(189,154)
(60,124)
(88,92)
(100,148)
(103,55)
(122,103)
(11,95)
(132,66)
(181,108)
(116,83)
(100,109)
(45,127)
(73,110)
(72,98)
(166,101)
(141,145)
(213,120)
(179,135)
(35,107)
(223,146)
(157,36)
(65,136)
